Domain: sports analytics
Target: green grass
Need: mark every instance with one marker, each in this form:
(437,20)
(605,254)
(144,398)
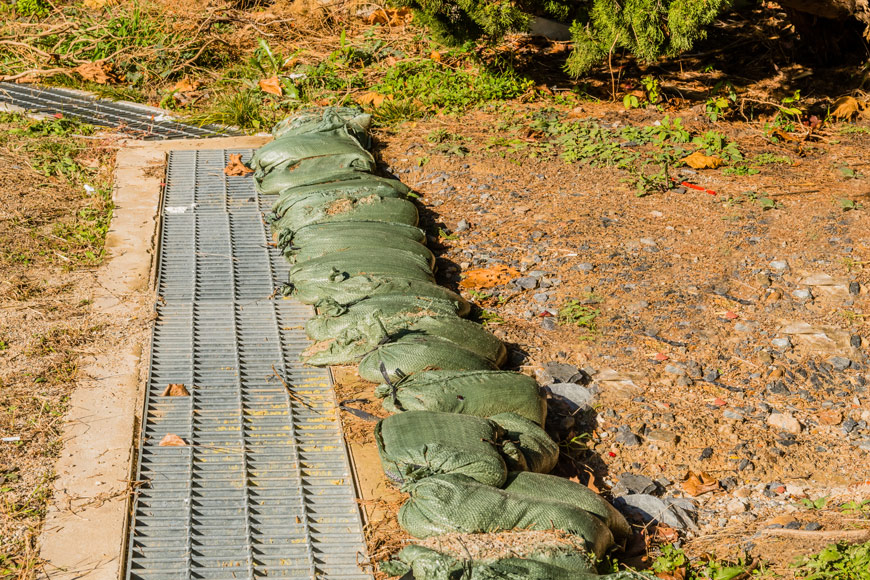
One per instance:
(580,315)
(836,562)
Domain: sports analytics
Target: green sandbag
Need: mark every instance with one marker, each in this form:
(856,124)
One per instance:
(532,485)
(356,229)
(412,354)
(304,154)
(355,262)
(479,393)
(558,562)
(532,449)
(276,182)
(418,444)
(338,244)
(355,342)
(334,319)
(372,208)
(443,504)
(345,292)
(324,120)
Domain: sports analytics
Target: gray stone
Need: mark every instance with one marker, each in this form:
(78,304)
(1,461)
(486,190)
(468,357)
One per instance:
(779,265)
(536,274)
(626,437)
(813,526)
(849,425)
(676,513)
(711,375)
(634,483)
(781,343)
(802,294)
(784,422)
(558,372)
(541,297)
(549,323)
(461,226)
(675,370)
(573,395)
(585,267)
(854,288)
(526,283)
(839,363)
(662,436)
(743,327)
(733,415)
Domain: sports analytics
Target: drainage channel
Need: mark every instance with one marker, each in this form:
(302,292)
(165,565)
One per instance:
(263,486)
(136,120)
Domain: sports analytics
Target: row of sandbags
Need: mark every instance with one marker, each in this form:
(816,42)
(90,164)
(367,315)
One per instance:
(465,440)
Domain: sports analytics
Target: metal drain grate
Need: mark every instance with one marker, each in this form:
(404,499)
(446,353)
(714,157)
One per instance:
(263,488)
(136,120)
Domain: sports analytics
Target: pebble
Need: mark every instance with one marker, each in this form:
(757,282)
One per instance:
(526,282)
(736,506)
(675,370)
(741,327)
(461,226)
(707,453)
(839,363)
(802,294)
(849,425)
(781,343)
(626,437)
(711,375)
(541,297)
(662,436)
(733,415)
(559,372)
(779,265)
(854,288)
(813,526)
(549,323)
(634,483)
(784,422)
(585,267)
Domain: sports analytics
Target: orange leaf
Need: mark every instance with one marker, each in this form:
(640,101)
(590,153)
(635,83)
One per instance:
(186,85)
(99,71)
(678,574)
(372,98)
(780,134)
(390,17)
(696,484)
(698,160)
(235,168)
(488,277)
(272,86)
(172,440)
(846,108)
(436,56)
(175,390)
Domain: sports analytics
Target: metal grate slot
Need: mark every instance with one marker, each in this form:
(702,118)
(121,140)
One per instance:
(263,488)
(136,120)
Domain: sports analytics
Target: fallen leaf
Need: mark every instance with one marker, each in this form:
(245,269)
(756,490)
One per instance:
(186,85)
(665,534)
(235,168)
(846,107)
(99,71)
(272,86)
(696,484)
(97,4)
(698,160)
(371,98)
(436,56)
(175,390)
(172,440)
(780,134)
(390,16)
(678,574)
(577,113)
(488,277)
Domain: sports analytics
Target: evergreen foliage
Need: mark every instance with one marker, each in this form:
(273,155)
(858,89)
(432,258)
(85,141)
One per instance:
(647,29)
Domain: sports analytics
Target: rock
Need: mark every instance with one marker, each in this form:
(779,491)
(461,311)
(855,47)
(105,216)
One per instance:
(854,288)
(813,526)
(626,437)
(707,453)
(781,343)
(849,425)
(744,327)
(461,226)
(736,506)
(839,363)
(793,525)
(777,388)
(573,395)
(802,294)
(733,415)
(675,370)
(634,483)
(781,522)
(784,422)
(779,265)
(585,267)
(855,341)
(711,375)
(676,513)
(549,323)
(662,436)
(541,297)
(830,417)
(526,282)
(558,372)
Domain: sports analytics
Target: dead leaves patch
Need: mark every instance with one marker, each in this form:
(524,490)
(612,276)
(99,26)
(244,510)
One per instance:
(272,86)
(235,168)
(172,440)
(699,160)
(390,17)
(99,71)
(696,484)
(176,390)
(488,277)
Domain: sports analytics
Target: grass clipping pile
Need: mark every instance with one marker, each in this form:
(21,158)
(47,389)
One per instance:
(359,258)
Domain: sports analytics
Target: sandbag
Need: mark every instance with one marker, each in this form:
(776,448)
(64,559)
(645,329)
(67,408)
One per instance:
(533,485)
(356,341)
(304,154)
(452,503)
(329,246)
(479,393)
(347,291)
(326,269)
(324,120)
(413,354)
(419,444)
(517,555)
(530,448)
(334,319)
(371,208)
(350,181)
(356,229)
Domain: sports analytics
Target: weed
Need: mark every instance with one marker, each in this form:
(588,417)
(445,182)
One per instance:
(861,507)
(445,235)
(673,559)
(3,345)
(849,173)
(489,317)
(723,95)
(815,504)
(770,158)
(847,204)
(740,171)
(580,315)
(854,130)
(243,109)
(836,562)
